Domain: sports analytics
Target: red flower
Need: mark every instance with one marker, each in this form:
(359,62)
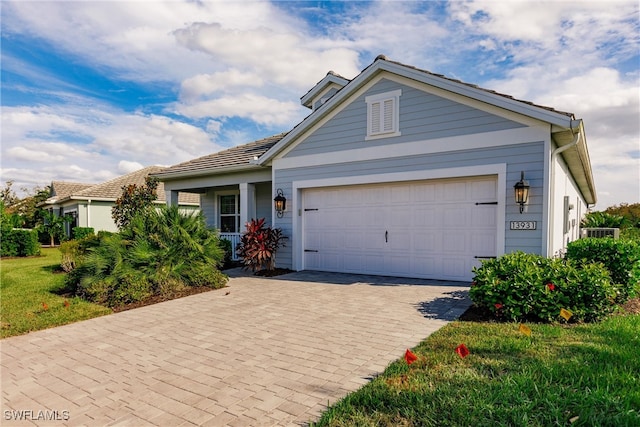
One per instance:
(66,303)
(45,306)
(551,286)
(462,350)
(410,357)
(498,306)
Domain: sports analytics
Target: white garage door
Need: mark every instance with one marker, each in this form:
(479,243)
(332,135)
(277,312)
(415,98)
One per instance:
(436,229)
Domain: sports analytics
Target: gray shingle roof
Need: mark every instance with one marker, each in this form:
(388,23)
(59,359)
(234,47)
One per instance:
(111,190)
(237,156)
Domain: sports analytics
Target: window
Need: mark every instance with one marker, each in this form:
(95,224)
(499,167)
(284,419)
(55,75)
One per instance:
(383,116)
(229,213)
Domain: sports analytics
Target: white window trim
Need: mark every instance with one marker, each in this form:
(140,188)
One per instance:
(381,98)
(218,210)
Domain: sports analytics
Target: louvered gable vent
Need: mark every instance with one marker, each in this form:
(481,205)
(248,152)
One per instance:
(382,112)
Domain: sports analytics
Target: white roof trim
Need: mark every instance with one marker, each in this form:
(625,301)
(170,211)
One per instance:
(542,114)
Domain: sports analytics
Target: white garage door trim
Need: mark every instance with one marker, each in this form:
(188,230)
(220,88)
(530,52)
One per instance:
(499,169)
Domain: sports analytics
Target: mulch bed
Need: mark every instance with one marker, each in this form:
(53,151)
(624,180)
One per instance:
(191,290)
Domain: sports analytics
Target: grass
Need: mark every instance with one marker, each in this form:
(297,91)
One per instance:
(28,298)
(582,375)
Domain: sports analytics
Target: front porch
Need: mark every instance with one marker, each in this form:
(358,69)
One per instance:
(227,208)
(234,238)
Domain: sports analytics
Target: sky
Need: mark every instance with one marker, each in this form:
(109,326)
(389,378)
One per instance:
(91,90)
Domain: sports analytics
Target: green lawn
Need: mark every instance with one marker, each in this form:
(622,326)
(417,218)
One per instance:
(584,375)
(27,298)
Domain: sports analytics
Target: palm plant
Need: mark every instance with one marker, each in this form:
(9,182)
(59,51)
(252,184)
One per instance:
(158,253)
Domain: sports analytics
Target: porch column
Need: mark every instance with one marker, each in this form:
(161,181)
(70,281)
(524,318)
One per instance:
(247,203)
(172,197)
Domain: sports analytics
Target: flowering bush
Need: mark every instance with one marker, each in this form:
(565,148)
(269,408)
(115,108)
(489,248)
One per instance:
(520,286)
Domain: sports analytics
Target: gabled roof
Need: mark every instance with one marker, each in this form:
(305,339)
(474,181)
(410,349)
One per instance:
(330,79)
(111,190)
(563,124)
(62,189)
(236,158)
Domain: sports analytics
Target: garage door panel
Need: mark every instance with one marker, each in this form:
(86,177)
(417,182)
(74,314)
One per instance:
(454,216)
(435,228)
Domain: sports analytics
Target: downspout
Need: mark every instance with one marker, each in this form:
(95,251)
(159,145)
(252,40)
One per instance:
(554,154)
(89,213)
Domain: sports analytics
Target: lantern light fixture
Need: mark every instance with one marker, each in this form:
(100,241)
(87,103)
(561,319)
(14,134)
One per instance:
(280,203)
(521,191)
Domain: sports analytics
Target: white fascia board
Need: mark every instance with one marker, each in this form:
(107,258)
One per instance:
(489,99)
(222,170)
(514,105)
(328,81)
(93,199)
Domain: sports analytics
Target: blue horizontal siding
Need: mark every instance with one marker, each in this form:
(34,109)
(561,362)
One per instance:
(423,116)
(527,157)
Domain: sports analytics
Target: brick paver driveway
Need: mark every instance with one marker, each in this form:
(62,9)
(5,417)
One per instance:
(260,352)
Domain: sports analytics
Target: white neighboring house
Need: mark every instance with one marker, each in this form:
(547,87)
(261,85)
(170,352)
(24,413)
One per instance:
(403,172)
(89,205)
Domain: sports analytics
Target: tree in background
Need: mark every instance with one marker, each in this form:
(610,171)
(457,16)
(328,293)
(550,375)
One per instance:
(53,226)
(26,208)
(133,201)
(630,213)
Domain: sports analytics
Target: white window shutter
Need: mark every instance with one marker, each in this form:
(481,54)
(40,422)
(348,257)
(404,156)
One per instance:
(383,115)
(375,117)
(388,116)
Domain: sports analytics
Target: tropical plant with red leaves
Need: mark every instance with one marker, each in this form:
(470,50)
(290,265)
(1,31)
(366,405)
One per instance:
(258,245)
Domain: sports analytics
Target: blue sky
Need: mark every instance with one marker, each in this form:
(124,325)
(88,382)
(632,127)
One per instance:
(93,90)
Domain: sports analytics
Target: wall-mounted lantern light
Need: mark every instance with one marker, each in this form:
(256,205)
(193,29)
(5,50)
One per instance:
(521,191)
(280,203)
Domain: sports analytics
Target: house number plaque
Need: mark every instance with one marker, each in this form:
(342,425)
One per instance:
(523,225)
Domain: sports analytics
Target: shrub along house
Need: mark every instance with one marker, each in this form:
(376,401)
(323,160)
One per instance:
(403,172)
(89,205)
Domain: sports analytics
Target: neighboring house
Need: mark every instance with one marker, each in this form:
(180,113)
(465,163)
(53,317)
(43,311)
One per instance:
(403,172)
(89,205)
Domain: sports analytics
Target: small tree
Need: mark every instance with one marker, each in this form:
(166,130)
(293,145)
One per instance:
(133,201)
(53,225)
(258,245)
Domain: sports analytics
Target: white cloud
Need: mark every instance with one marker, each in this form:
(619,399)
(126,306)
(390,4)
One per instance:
(41,144)
(257,108)
(125,167)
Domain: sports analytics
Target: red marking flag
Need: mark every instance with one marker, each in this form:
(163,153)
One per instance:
(462,350)
(410,357)
(524,329)
(566,314)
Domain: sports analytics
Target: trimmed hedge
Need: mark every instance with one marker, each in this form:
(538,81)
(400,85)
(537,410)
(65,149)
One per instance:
(621,257)
(20,242)
(82,232)
(528,287)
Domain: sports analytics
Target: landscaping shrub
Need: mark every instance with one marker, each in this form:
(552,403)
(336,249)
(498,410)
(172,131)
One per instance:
(20,242)
(225,244)
(156,254)
(621,257)
(528,287)
(258,245)
(82,232)
(72,251)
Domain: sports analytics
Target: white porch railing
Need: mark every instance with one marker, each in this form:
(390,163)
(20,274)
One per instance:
(234,238)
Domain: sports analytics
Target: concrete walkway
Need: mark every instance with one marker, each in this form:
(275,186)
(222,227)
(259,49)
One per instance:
(262,352)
